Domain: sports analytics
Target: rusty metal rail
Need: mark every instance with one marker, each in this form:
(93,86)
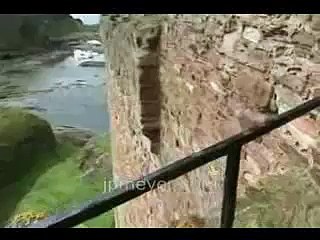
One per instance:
(230,147)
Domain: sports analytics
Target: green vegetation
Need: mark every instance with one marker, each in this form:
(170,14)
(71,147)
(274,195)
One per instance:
(35,30)
(53,182)
(17,125)
(91,28)
(22,137)
(61,27)
(52,186)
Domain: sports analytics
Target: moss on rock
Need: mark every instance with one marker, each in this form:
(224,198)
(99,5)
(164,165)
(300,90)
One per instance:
(22,136)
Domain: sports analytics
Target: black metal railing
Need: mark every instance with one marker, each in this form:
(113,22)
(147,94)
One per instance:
(230,147)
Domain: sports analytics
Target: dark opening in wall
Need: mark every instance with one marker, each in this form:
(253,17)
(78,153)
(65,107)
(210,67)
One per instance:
(150,89)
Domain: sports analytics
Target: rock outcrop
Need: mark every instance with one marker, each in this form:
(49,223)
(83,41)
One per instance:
(22,137)
(76,136)
(179,83)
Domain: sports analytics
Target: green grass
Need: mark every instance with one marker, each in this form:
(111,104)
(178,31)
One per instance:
(16,124)
(22,136)
(52,186)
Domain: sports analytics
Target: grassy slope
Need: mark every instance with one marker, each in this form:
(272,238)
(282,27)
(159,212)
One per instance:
(52,186)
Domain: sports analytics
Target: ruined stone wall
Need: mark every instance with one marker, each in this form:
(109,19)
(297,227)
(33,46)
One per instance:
(180,83)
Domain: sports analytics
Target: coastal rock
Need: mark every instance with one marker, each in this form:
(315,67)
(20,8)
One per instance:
(76,136)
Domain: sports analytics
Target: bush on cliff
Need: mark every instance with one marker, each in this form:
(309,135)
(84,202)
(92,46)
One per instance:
(22,137)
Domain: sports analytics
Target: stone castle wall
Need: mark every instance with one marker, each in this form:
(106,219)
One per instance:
(180,83)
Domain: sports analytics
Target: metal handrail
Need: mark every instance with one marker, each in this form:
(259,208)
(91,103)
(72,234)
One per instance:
(230,146)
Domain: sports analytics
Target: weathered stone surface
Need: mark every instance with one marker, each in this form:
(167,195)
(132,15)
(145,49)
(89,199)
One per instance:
(251,85)
(183,82)
(252,34)
(78,137)
(315,23)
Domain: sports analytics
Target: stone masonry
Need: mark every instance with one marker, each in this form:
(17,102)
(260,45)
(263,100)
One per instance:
(179,83)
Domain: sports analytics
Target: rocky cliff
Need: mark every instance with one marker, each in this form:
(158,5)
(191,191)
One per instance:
(179,83)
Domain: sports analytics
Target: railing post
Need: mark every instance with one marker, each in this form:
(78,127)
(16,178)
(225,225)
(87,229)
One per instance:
(230,187)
